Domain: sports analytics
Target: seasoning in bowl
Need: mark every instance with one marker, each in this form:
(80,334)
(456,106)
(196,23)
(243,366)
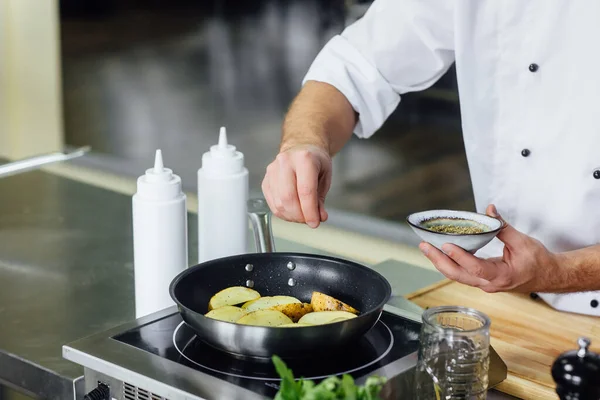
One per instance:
(454,226)
(456,229)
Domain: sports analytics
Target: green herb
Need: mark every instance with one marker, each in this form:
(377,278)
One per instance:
(332,388)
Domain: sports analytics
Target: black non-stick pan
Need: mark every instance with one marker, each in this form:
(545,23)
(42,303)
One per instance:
(272,273)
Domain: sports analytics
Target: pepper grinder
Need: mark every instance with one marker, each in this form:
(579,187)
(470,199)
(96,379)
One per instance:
(577,373)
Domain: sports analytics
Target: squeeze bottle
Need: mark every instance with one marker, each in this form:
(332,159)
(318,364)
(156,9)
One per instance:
(159,236)
(222,197)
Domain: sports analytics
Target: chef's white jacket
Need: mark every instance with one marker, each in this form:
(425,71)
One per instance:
(529,91)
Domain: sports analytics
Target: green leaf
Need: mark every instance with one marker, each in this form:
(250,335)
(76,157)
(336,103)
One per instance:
(330,384)
(349,389)
(332,388)
(320,393)
(372,388)
(306,386)
(289,388)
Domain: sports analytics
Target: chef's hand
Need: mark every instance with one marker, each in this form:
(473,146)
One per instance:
(296,184)
(525,266)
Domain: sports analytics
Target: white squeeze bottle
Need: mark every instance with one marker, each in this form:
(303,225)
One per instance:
(160,247)
(222,197)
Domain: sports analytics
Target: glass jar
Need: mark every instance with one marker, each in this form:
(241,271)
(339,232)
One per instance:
(454,354)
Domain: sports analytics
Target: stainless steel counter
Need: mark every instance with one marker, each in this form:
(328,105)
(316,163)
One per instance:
(65,273)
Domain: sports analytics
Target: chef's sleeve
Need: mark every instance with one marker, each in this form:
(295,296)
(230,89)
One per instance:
(398,46)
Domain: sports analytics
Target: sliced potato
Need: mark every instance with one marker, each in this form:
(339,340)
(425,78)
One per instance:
(325,317)
(323,302)
(227,313)
(269,302)
(338,319)
(294,325)
(232,296)
(265,318)
(294,310)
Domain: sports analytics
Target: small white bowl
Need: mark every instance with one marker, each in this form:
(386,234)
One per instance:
(420,221)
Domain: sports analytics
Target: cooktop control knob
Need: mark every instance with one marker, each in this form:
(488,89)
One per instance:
(101,392)
(577,373)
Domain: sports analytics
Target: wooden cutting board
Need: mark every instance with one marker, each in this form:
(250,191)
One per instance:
(527,334)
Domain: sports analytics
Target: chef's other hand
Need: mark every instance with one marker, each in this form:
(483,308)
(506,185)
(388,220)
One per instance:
(296,184)
(525,266)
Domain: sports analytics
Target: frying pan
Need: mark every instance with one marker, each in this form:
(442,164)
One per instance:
(274,273)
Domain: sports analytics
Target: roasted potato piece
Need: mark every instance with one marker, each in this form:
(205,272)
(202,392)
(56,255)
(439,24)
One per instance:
(268,302)
(295,325)
(227,313)
(325,317)
(294,310)
(323,302)
(265,318)
(232,296)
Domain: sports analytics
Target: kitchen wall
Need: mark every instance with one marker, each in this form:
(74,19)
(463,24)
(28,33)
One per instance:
(30,87)
(141,75)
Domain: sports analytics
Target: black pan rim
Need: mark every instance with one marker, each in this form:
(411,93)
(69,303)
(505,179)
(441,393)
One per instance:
(377,309)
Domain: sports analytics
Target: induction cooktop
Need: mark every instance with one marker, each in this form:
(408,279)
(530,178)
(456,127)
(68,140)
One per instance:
(390,340)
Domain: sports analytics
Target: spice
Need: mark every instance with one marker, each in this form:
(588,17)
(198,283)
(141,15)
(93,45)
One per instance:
(457,229)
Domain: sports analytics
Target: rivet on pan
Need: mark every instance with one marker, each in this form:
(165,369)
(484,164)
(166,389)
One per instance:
(291,266)
(249,267)
(250,283)
(292,282)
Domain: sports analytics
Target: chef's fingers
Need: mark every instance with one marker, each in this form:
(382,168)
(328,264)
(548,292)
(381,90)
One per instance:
(286,199)
(307,177)
(492,211)
(266,189)
(322,212)
(449,268)
(511,237)
(473,265)
(324,185)
(270,191)
(508,234)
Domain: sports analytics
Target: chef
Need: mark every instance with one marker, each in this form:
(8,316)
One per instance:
(530,100)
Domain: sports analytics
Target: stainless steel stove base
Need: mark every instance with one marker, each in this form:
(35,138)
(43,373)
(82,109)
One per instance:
(399,387)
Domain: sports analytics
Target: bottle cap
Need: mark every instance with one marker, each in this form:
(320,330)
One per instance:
(159,183)
(223,159)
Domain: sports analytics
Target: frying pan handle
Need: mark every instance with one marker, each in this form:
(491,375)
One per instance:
(260,217)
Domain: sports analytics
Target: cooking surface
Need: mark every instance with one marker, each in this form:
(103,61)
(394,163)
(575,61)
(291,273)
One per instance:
(526,333)
(390,340)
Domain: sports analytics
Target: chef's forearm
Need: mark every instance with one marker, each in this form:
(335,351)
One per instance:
(320,116)
(580,270)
